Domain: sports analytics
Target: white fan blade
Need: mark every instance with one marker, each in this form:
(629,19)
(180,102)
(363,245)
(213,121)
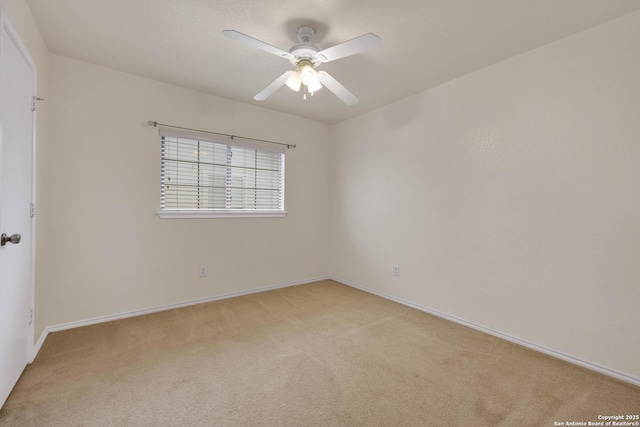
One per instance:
(274,86)
(360,44)
(258,44)
(336,87)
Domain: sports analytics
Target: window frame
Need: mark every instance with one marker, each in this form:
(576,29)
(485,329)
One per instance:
(223,213)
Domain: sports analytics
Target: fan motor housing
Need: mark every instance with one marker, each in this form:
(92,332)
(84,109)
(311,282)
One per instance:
(304,51)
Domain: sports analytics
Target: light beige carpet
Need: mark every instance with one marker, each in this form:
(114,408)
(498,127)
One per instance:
(321,354)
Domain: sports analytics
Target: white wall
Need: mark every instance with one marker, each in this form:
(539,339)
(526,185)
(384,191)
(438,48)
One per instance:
(20,16)
(112,254)
(508,197)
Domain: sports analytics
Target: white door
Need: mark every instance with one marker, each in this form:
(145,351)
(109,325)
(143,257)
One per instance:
(16,187)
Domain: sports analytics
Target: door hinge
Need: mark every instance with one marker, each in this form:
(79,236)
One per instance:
(30,315)
(33,102)
(32,210)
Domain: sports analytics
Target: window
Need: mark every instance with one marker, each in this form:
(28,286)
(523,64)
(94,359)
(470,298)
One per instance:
(208,176)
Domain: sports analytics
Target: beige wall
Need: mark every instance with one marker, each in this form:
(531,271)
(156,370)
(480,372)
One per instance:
(508,197)
(20,16)
(112,254)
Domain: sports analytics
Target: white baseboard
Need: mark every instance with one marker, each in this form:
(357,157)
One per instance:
(542,349)
(38,344)
(102,319)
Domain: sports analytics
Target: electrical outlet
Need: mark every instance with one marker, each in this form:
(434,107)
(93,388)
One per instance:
(396,271)
(203,271)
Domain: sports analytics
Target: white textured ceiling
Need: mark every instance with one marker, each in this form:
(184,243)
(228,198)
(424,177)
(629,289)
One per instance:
(424,42)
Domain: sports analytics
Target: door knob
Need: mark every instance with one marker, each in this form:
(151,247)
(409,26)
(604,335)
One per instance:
(4,239)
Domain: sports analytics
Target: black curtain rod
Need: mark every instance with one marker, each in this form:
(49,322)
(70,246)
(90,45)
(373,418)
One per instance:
(156,124)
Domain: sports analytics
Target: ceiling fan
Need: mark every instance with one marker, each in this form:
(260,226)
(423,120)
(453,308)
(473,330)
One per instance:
(305,56)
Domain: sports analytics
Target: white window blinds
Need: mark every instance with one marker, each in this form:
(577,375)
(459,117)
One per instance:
(202,173)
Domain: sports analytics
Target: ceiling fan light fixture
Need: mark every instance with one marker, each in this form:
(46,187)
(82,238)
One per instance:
(294,81)
(308,75)
(315,85)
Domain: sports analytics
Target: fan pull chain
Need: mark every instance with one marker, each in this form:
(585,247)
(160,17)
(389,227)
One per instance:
(305,92)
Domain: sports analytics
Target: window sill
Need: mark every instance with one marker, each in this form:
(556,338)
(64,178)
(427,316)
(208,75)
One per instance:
(185,214)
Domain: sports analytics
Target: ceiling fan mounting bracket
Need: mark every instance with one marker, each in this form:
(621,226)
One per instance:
(306,35)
